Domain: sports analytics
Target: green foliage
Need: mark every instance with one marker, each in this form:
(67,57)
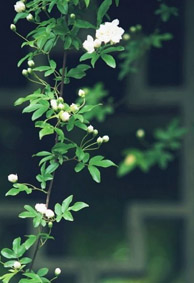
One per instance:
(159,153)
(166,12)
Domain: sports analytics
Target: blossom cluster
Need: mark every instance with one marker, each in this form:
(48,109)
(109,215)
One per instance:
(108,32)
(41,208)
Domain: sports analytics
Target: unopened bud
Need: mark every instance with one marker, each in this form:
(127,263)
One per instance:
(74,107)
(13,27)
(72,16)
(60,106)
(50,224)
(24,72)
(57,271)
(54,105)
(99,140)
(31,63)
(29,17)
(95,132)
(13,178)
(105,138)
(29,70)
(132,29)
(140,133)
(126,36)
(64,116)
(17,265)
(81,93)
(90,129)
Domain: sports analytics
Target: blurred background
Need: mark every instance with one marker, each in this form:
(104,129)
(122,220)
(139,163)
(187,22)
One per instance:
(139,226)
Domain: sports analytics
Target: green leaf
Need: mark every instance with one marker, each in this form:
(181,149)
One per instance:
(95,173)
(42,271)
(8,253)
(78,206)
(79,167)
(87,2)
(25,260)
(42,153)
(103,9)
(87,108)
(30,241)
(67,42)
(62,6)
(113,49)
(51,168)
(86,56)
(117,2)
(109,60)
(58,209)
(79,153)
(42,68)
(47,130)
(68,216)
(66,203)
(7,277)
(84,24)
(98,161)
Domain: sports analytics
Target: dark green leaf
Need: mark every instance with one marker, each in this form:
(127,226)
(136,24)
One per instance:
(109,60)
(95,173)
(103,9)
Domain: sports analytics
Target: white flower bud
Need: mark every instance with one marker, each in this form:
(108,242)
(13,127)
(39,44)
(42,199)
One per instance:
(29,70)
(99,140)
(81,93)
(126,36)
(17,265)
(60,106)
(31,63)
(29,17)
(64,116)
(72,16)
(49,213)
(57,271)
(105,138)
(140,133)
(24,72)
(90,129)
(13,178)
(19,7)
(132,29)
(95,132)
(50,224)
(41,207)
(13,27)
(60,99)
(54,105)
(74,107)
(97,43)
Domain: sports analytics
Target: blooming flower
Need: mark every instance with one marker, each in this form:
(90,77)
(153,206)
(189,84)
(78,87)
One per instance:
(41,207)
(110,32)
(64,116)
(19,7)
(49,213)
(89,44)
(17,265)
(13,178)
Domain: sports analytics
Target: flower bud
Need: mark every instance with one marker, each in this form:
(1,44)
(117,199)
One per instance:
(29,70)
(49,213)
(13,178)
(81,93)
(97,43)
(19,7)
(132,29)
(31,63)
(57,271)
(13,27)
(74,107)
(105,138)
(60,106)
(50,224)
(24,72)
(29,17)
(17,265)
(72,16)
(126,36)
(130,159)
(95,132)
(90,129)
(99,140)
(60,99)
(64,116)
(139,27)
(53,104)
(140,133)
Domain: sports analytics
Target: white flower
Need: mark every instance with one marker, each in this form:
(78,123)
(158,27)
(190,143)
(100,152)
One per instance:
(110,32)
(89,44)
(19,7)
(13,178)
(17,265)
(99,140)
(90,129)
(53,103)
(49,213)
(81,93)
(97,43)
(64,116)
(105,138)
(57,271)
(41,207)
(74,107)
